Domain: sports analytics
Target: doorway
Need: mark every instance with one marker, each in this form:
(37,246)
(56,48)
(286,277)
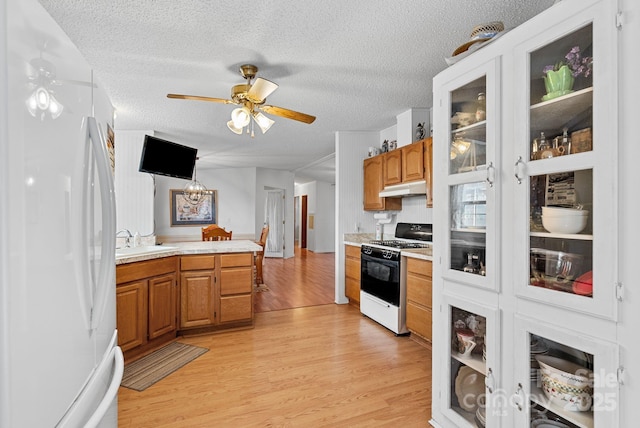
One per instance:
(274,217)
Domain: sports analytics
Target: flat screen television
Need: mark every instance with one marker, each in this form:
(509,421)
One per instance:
(166,158)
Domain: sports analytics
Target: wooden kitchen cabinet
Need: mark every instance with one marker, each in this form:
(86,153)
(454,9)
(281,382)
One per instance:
(419,289)
(236,287)
(146,305)
(373,184)
(392,167)
(428,169)
(216,289)
(352,274)
(413,165)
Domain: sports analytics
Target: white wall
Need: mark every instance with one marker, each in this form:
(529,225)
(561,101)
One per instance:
(236,194)
(275,179)
(134,189)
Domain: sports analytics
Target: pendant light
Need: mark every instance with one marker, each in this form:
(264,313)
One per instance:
(194,192)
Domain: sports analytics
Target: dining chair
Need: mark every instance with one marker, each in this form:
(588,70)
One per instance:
(213,232)
(260,254)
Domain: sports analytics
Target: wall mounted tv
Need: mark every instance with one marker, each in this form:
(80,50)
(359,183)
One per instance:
(166,158)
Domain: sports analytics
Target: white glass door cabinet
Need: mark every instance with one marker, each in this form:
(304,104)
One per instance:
(565,164)
(469,375)
(470,121)
(564,376)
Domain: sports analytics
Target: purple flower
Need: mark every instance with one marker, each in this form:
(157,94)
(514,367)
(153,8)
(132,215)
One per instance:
(577,64)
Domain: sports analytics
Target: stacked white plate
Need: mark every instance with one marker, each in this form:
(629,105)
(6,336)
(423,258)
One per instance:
(481,419)
(537,347)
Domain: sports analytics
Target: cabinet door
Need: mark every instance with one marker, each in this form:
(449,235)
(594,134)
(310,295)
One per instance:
(162,305)
(392,167)
(465,163)
(131,308)
(468,376)
(352,273)
(564,375)
(428,169)
(413,162)
(419,300)
(197,299)
(373,184)
(566,167)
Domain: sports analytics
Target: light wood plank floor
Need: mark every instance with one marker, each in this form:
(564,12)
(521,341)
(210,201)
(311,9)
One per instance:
(310,366)
(307,279)
(318,366)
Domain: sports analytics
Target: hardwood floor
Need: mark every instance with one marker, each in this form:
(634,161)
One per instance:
(316,366)
(307,279)
(307,363)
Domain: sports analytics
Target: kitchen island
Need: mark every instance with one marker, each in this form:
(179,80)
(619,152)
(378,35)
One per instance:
(182,289)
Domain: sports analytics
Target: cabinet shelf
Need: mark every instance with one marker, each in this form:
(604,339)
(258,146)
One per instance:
(574,236)
(481,230)
(476,131)
(581,419)
(551,116)
(474,362)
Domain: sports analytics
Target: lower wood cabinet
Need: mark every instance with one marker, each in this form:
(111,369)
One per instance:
(352,273)
(216,290)
(419,287)
(146,304)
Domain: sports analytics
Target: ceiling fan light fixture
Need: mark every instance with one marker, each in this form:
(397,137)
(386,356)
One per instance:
(241,117)
(263,121)
(233,128)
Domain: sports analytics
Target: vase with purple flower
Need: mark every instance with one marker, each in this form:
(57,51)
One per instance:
(560,77)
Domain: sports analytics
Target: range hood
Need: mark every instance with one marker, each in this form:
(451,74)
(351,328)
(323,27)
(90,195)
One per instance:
(405,189)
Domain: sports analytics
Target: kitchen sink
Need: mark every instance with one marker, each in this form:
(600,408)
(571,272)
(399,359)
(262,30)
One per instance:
(146,249)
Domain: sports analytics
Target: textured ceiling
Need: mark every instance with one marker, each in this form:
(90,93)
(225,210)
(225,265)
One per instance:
(354,65)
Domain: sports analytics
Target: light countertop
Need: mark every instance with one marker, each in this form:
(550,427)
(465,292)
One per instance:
(185,248)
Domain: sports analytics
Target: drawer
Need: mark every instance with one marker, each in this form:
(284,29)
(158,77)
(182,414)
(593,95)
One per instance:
(419,320)
(352,251)
(419,267)
(236,280)
(352,269)
(240,259)
(236,308)
(197,262)
(138,270)
(419,290)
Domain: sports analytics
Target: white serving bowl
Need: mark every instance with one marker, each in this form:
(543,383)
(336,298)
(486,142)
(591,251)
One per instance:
(559,211)
(566,383)
(564,223)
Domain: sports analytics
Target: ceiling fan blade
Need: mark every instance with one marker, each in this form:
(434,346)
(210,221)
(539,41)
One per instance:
(260,90)
(289,114)
(199,98)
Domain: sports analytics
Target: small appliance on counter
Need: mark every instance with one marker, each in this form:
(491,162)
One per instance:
(383,291)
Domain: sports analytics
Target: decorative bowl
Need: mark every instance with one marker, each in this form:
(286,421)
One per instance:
(554,269)
(566,383)
(564,223)
(561,211)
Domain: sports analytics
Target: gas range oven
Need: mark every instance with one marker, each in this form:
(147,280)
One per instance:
(383,288)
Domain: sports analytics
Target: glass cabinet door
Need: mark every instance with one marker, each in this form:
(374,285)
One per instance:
(472,122)
(564,376)
(565,165)
(470,368)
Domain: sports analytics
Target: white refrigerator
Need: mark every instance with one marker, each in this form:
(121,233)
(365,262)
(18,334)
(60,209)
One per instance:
(60,365)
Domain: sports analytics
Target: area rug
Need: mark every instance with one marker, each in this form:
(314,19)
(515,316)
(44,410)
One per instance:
(141,374)
(261,287)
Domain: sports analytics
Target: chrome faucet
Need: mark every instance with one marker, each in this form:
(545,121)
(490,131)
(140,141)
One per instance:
(127,242)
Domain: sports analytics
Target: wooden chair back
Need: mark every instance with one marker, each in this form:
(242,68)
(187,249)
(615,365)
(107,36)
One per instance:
(263,237)
(260,254)
(213,232)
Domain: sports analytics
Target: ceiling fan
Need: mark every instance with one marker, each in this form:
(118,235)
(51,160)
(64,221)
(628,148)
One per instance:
(251,99)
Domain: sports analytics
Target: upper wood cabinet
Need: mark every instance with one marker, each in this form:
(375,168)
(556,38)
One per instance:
(428,169)
(413,162)
(373,184)
(392,167)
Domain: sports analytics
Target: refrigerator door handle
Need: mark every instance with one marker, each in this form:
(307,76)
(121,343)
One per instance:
(112,391)
(108,250)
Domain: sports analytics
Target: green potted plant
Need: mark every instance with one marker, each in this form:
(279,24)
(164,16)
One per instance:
(559,77)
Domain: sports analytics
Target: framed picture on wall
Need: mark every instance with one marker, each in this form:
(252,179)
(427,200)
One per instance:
(184,213)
